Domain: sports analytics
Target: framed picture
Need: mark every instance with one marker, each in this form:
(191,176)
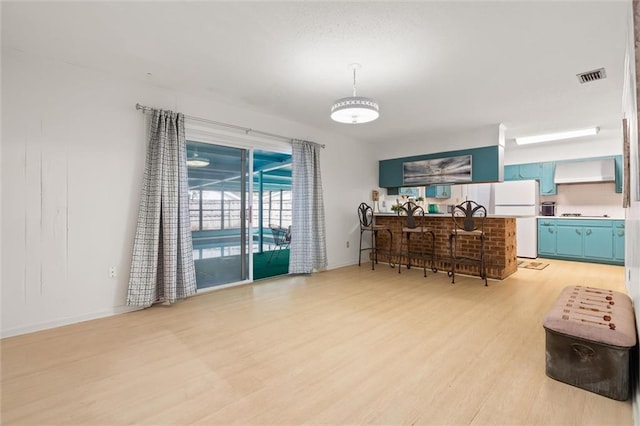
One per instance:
(438,170)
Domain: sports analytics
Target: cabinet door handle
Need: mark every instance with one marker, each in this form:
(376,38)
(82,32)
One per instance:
(578,231)
(588,231)
(550,230)
(620,233)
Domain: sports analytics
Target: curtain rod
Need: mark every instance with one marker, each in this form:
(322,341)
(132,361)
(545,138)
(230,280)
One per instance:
(246,130)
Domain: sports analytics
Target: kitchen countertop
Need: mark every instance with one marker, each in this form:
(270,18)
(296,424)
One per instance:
(581,217)
(448,215)
(395,214)
(509,216)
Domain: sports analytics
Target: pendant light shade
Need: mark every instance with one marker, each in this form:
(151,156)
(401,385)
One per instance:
(354,109)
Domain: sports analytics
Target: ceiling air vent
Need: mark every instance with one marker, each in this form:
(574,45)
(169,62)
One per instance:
(589,76)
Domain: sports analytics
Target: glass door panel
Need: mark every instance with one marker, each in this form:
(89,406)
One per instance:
(271,213)
(218,190)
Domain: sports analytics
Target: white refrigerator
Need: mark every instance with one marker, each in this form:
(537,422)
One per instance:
(520,198)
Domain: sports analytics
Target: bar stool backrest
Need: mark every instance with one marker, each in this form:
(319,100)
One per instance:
(411,210)
(365,214)
(469,216)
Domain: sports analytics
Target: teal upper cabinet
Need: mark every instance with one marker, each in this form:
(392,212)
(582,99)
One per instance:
(530,171)
(390,173)
(545,172)
(523,171)
(486,166)
(547,184)
(538,171)
(512,172)
(438,191)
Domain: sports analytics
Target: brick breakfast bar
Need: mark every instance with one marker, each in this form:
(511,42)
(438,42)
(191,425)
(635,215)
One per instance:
(500,243)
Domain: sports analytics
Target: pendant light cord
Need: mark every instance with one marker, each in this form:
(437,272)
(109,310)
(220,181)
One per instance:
(354,81)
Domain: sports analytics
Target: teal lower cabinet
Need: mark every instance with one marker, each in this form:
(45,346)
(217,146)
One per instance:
(569,241)
(586,240)
(618,241)
(546,237)
(598,243)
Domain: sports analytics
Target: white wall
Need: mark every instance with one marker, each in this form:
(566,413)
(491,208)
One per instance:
(632,220)
(589,199)
(73,150)
(562,150)
(439,142)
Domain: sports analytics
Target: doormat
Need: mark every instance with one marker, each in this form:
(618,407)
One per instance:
(532,265)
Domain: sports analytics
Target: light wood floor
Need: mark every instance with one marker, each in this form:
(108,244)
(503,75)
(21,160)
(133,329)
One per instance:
(348,346)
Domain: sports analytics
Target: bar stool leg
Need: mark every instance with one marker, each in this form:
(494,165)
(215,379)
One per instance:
(360,248)
(424,257)
(452,251)
(374,252)
(390,252)
(483,265)
(408,250)
(433,252)
(400,252)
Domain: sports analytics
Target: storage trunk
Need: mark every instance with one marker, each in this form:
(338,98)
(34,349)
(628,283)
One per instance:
(590,339)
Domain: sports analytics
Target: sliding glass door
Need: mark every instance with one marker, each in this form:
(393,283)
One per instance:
(240,207)
(219,188)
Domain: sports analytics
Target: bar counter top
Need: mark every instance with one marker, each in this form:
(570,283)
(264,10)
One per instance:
(500,243)
(448,215)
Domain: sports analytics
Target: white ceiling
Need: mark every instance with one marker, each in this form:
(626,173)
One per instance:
(432,66)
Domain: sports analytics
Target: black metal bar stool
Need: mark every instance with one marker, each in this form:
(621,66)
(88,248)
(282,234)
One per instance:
(412,211)
(367,224)
(468,222)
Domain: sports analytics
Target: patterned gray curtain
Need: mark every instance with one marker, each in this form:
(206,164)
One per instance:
(308,237)
(162,268)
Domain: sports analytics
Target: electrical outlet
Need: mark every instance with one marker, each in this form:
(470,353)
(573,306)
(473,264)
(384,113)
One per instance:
(347,244)
(112,272)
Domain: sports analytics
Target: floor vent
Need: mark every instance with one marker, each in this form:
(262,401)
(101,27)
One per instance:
(589,76)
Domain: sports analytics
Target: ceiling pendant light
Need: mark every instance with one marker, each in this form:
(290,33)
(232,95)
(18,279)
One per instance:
(196,161)
(354,109)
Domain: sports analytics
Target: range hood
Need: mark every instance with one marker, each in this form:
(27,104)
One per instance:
(585,171)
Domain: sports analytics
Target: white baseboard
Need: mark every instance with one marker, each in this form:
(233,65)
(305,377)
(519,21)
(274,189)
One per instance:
(342,264)
(66,321)
(31,328)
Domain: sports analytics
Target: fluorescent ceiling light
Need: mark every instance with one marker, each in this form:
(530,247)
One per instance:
(558,136)
(197,161)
